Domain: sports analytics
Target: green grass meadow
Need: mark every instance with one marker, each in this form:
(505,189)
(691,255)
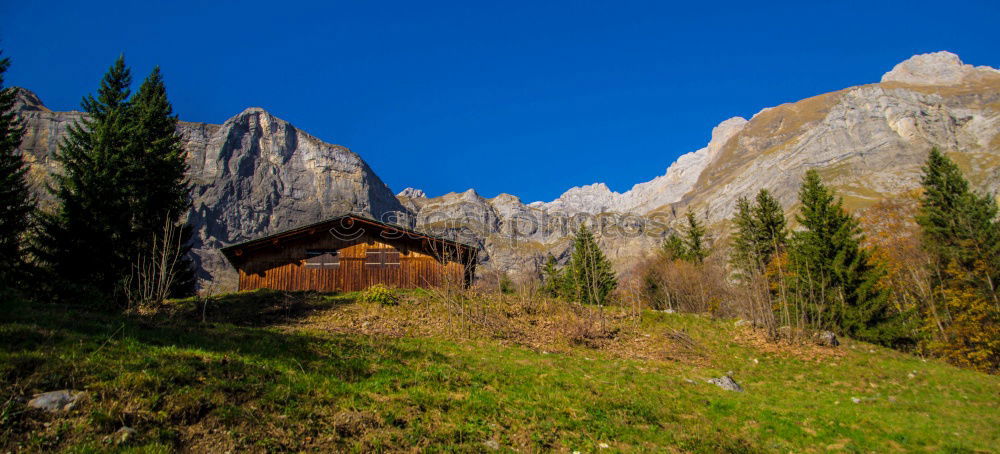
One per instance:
(258,384)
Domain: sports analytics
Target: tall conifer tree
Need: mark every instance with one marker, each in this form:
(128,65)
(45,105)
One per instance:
(744,256)
(835,276)
(592,276)
(85,241)
(673,247)
(694,240)
(961,231)
(159,177)
(121,191)
(16,202)
(771,222)
(553,278)
(761,232)
(159,163)
(958,224)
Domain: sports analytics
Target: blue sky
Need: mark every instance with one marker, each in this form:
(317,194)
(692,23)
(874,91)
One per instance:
(527,98)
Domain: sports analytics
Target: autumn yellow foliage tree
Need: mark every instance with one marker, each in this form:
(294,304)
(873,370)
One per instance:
(972,336)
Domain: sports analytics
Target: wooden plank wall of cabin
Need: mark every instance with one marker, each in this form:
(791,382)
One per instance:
(282,269)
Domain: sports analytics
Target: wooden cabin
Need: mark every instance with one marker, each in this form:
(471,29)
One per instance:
(348,253)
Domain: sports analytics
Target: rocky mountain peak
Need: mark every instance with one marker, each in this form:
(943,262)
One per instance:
(412,193)
(591,198)
(506,198)
(936,68)
(722,133)
(252,111)
(470,194)
(256,116)
(28,101)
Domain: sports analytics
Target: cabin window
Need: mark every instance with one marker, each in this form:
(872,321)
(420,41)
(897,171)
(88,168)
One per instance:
(382,257)
(322,259)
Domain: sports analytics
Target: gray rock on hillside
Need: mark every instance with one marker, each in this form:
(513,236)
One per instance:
(56,401)
(826,339)
(124,436)
(727,383)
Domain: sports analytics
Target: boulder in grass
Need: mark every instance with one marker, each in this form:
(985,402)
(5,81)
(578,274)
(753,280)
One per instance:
(827,339)
(56,401)
(727,383)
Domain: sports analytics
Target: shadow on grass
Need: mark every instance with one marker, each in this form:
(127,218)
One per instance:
(165,376)
(144,342)
(262,307)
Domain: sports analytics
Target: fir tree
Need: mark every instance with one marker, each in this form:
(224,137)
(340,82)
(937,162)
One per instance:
(158,177)
(123,190)
(761,232)
(771,224)
(673,247)
(695,238)
(958,224)
(553,283)
(505,284)
(961,232)
(16,202)
(744,255)
(85,242)
(159,164)
(591,272)
(836,278)
(690,245)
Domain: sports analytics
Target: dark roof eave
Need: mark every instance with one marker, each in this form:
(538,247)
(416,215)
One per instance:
(228,250)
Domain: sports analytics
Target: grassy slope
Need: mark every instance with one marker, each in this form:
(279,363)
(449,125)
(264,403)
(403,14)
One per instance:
(264,384)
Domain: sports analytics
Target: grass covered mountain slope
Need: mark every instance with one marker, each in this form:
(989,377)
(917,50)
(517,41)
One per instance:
(267,371)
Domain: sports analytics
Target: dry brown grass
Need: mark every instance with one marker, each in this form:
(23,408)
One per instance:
(989,84)
(523,319)
(800,347)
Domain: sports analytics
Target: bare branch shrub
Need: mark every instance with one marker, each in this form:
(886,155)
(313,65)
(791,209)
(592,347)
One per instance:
(467,306)
(154,271)
(678,285)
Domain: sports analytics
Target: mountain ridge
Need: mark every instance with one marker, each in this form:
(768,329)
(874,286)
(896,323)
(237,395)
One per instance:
(256,174)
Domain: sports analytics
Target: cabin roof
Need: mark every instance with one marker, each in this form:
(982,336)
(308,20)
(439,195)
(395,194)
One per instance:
(232,250)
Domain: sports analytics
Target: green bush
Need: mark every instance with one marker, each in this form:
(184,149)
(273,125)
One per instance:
(506,284)
(381,294)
